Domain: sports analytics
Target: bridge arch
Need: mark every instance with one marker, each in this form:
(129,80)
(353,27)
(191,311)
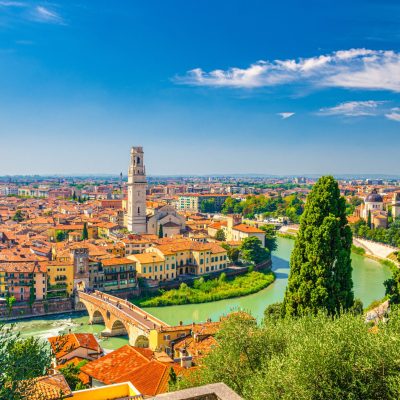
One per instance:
(116,328)
(97,317)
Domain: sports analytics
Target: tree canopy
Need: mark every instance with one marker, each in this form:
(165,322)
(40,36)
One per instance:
(251,250)
(316,357)
(320,264)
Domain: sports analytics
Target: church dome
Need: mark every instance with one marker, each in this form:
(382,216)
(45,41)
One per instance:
(374,197)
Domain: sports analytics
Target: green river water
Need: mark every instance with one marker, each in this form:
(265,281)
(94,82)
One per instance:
(368,277)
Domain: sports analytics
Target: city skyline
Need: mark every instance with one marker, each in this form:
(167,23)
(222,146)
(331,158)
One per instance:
(255,90)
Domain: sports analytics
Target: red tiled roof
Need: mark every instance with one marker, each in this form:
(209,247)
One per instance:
(109,368)
(62,345)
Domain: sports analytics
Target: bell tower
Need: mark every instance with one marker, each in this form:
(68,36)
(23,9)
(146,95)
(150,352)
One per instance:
(136,219)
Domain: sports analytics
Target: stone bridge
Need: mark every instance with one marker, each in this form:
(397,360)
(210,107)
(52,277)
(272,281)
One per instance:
(119,316)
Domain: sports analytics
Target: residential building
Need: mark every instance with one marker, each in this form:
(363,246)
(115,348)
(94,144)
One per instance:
(82,346)
(60,278)
(148,371)
(23,280)
(119,273)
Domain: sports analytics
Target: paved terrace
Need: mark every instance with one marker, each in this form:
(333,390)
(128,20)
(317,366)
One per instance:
(123,309)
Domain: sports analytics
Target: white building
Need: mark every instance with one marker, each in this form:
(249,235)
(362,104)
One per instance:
(136,213)
(373,202)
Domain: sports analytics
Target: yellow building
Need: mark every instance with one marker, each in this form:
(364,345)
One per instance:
(60,278)
(160,339)
(168,261)
(154,266)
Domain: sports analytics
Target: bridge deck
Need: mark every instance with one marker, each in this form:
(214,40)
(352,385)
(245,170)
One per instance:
(123,308)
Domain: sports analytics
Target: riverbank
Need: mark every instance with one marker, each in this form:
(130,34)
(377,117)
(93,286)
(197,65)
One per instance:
(368,278)
(204,291)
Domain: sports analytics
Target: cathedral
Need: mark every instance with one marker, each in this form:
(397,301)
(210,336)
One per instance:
(140,218)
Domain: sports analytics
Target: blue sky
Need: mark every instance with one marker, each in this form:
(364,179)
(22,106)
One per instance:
(206,87)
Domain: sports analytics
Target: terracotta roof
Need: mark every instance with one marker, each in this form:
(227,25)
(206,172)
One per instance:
(109,368)
(152,378)
(51,387)
(116,261)
(146,258)
(247,229)
(62,345)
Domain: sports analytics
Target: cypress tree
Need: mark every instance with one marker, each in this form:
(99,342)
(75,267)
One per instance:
(369,223)
(85,234)
(161,232)
(320,264)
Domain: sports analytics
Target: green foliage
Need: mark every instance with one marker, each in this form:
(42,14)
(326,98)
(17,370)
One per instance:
(21,360)
(320,273)
(60,236)
(390,236)
(71,375)
(369,220)
(392,287)
(252,251)
(161,232)
(270,237)
(10,300)
(291,206)
(306,358)
(233,254)
(357,250)
(211,290)
(357,308)
(32,295)
(209,206)
(274,311)
(85,234)
(18,216)
(173,379)
(220,235)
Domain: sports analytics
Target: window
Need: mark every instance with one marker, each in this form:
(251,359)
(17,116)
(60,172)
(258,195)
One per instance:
(155,268)
(167,337)
(201,261)
(144,270)
(160,268)
(149,269)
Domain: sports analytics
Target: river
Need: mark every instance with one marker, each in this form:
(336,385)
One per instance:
(368,278)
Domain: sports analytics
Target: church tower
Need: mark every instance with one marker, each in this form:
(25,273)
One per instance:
(136,219)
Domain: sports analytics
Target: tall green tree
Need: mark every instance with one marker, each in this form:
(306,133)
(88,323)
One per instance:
(18,216)
(85,234)
(369,222)
(252,251)
(161,232)
(220,235)
(21,359)
(270,237)
(320,264)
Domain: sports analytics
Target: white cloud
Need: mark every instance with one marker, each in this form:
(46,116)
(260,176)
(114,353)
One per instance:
(12,4)
(353,108)
(354,68)
(286,115)
(43,14)
(394,114)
